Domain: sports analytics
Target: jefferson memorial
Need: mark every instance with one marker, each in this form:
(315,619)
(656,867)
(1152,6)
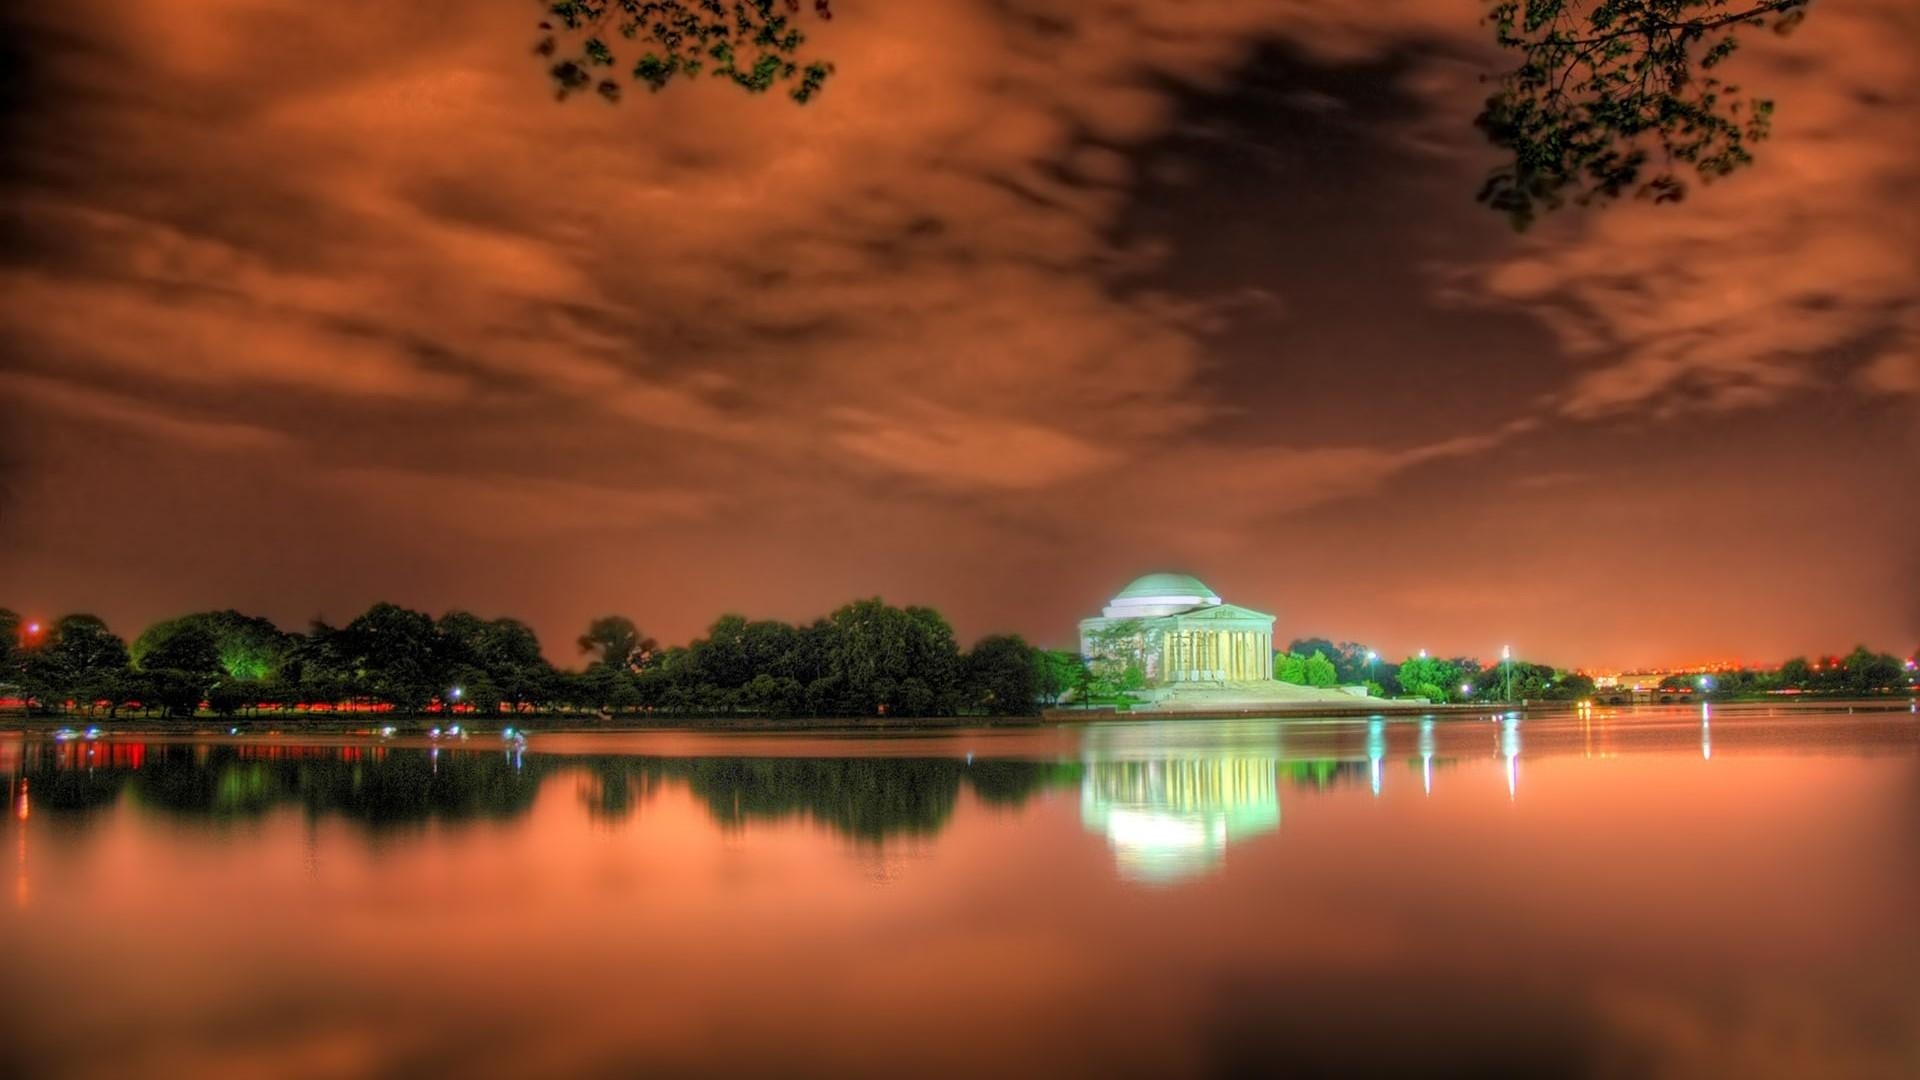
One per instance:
(1182,632)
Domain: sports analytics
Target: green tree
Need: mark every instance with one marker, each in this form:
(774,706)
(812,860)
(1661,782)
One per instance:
(755,44)
(1349,658)
(1290,667)
(395,656)
(1116,659)
(82,660)
(246,647)
(617,642)
(1864,671)
(892,661)
(1003,676)
(183,658)
(1060,673)
(1620,96)
(12,649)
(500,657)
(772,695)
(1430,677)
(1319,671)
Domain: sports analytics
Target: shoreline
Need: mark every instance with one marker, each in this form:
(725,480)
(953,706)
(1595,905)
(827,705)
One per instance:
(422,724)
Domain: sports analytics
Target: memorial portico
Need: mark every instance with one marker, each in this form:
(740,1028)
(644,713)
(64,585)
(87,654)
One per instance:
(1181,631)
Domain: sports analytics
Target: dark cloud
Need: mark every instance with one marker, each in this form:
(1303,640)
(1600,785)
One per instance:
(339,304)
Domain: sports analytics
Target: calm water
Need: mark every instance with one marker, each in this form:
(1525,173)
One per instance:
(1614,894)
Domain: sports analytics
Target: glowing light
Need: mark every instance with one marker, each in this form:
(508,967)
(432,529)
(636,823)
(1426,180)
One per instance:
(1510,749)
(1506,652)
(1423,654)
(1426,755)
(33,628)
(1376,751)
(455,693)
(1466,688)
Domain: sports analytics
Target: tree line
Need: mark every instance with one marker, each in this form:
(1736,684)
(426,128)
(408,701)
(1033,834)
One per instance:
(867,659)
(1320,662)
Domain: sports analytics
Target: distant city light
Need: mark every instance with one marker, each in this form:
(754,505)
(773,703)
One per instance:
(1466,688)
(456,692)
(33,628)
(1423,654)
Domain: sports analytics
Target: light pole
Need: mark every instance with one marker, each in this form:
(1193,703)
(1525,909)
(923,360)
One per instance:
(1373,656)
(1506,664)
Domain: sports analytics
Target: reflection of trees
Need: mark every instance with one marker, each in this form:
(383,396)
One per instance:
(862,798)
(74,790)
(376,786)
(1323,773)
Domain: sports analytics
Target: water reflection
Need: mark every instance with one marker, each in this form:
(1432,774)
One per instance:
(608,905)
(1173,818)
(1168,798)
(382,786)
(1510,750)
(1426,755)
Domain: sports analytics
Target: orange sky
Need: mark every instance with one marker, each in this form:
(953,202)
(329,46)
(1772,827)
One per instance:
(307,306)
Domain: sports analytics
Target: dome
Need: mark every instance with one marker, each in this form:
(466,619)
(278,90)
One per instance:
(1160,594)
(1158,586)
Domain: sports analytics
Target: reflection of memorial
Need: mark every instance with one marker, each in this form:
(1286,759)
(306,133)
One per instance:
(1172,818)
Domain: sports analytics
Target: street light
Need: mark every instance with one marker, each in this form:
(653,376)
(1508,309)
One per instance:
(1373,656)
(1506,664)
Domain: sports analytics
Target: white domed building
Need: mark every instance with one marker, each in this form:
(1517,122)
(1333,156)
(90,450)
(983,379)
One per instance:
(1180,631)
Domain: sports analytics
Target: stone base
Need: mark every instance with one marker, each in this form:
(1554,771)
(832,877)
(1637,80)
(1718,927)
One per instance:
(1251,695)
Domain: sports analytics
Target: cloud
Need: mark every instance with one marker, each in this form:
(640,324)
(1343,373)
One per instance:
(139,417)
(520,507)
(1759,286)
(978,305)
(1892,373)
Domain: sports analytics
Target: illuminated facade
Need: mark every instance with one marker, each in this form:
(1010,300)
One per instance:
(1181,631)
